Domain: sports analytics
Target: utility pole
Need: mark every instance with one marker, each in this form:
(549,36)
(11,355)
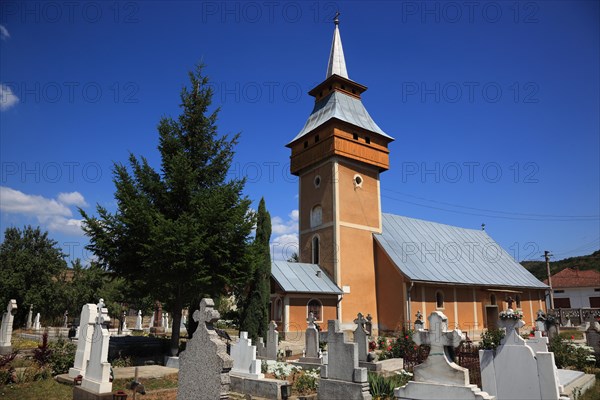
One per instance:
(547,257)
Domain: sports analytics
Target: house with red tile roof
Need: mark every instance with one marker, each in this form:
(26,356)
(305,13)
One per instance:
(576,289)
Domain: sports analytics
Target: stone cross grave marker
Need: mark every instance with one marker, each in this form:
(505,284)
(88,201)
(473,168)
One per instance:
(138,321)
(438,368)
(271,348)
(97,373)
(204,365)
(29,317)
(360,337)
(419,321)
(36,322)
(342,377)
(311,342)
(245,363)
(272,341)
(87,320)
(438,377)
(6,328)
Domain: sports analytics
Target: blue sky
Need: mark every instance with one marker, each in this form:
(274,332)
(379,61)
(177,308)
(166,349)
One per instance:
(494,106)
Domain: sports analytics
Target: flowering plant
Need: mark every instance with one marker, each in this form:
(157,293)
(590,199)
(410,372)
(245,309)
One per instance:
(516,315)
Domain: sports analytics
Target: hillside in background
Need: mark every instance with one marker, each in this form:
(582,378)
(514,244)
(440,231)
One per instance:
(538,268)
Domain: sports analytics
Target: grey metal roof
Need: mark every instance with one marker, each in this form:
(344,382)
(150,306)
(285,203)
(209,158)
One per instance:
(337,62)
(428,251)
(302,278)
(343,107)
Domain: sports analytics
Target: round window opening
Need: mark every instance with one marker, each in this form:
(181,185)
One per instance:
(358,180)
(317,181)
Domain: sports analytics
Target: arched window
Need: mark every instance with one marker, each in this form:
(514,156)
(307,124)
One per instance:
(277,312)
(493,299)
(439,299)
(518,300)
(316,216)
(315,250)
(314,306)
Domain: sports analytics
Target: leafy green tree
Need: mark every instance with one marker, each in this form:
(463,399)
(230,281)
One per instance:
(255,318)
(32,273)
(182,232)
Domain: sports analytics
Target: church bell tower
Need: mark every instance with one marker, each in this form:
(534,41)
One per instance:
(338,157)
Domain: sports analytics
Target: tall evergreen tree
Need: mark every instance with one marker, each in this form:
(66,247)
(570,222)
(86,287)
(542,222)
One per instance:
(255,319)
(182,232)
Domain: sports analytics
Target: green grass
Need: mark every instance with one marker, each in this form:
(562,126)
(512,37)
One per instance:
(567,333)
(49,389)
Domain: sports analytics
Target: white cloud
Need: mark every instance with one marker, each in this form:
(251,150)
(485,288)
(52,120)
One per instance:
(7,98)
(54,215)
(4,33)
(285,241)
(280,227)
(72,199)
(283,246)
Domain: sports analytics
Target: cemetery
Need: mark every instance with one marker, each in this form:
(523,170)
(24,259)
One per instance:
(217,318)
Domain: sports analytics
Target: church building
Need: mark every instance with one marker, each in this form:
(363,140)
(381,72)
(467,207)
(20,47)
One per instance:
(355,258)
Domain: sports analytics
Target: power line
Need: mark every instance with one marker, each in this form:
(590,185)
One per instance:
(508,215)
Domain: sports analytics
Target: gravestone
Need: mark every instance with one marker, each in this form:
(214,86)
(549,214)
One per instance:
(516,371)
(270,349)
(342,378)
(124,328)
(540,321)
(311,340)
(204,364)
(96,382)
(158,322)
(360,337)
(538,343)
(36,322)
(419,321)
(87,320)
(29,324)
(66,319)
(152,319)
(438,377)
(138,321)
(245,363)
(438,368)
(592,337)
(6,328)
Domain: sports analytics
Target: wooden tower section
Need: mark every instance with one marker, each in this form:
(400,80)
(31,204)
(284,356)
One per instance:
(338,157)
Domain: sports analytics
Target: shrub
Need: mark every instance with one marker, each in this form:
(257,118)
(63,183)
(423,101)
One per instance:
(570,355)
(42,354)
(490,339)
(62,356)
(307,381)
(383,387)
(121,362)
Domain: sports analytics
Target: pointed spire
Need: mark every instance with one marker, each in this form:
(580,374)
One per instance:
(337,63)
